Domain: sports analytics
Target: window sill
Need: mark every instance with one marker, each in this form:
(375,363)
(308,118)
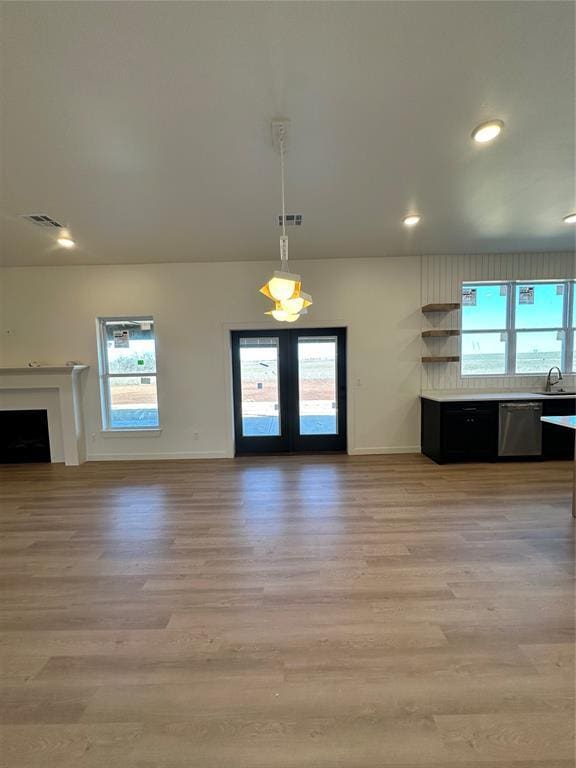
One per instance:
(151,431)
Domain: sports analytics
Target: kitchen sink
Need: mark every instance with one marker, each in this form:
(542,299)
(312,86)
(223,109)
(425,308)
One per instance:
(557,392)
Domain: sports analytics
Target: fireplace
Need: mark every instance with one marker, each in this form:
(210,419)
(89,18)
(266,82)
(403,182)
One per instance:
(24,437)
(57,390)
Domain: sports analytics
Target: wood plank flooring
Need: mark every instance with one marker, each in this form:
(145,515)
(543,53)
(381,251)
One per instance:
(294,612)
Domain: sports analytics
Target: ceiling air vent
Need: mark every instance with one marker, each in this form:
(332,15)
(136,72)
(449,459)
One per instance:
(292,219)
(41,220)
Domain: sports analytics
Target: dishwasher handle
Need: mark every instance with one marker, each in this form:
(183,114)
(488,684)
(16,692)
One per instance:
(531,406)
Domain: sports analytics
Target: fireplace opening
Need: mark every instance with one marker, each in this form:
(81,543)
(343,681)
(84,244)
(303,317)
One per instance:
(24,437)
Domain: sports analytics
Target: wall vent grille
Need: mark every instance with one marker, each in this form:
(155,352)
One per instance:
(292,219)
(42,220)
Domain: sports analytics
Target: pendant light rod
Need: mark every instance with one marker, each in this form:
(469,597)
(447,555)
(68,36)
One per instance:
(283,239)
(281,138)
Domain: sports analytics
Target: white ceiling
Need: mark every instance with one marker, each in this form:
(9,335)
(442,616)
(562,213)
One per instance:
(146,128)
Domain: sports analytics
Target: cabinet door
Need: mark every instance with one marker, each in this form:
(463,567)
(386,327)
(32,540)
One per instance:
(557,442)
(470,432)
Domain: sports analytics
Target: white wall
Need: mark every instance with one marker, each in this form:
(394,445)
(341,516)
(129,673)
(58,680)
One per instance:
(442,278)
(50,313)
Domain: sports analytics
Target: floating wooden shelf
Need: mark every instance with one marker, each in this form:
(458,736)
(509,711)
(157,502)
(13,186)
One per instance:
(441,359)
(440,307)
(439,332)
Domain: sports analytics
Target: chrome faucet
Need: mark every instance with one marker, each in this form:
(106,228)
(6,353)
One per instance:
(549,382)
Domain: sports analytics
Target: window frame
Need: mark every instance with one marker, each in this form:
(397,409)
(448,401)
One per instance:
(511,332)
(105,375)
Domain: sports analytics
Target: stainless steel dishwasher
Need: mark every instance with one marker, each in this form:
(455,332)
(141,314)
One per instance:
(520,429)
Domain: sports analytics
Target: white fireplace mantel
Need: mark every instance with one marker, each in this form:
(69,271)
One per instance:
(66,380)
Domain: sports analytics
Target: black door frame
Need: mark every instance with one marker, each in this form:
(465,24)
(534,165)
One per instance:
(290,440)
(319,443)
(269,443)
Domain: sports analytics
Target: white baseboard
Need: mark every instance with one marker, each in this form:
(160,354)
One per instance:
(156,456)
(384,449)
(167,456)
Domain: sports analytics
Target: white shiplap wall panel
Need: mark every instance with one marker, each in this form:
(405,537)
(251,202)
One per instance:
(442,278)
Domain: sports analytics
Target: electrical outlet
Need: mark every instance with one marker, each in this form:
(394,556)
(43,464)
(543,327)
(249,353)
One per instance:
(196,435)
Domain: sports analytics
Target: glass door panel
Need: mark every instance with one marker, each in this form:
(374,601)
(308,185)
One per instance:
(317,385)
(260,382)
(260,389)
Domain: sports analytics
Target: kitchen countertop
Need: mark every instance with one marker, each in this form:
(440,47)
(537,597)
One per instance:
(466,395)
(561,421)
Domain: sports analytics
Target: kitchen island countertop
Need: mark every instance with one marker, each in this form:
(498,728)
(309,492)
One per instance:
(561,421)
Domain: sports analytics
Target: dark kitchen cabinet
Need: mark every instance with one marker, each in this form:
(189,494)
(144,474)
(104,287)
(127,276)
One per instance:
(558,443)
(468,431)
(459,431)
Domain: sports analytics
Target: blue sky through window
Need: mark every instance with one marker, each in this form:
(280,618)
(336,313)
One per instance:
(489,312)
(546,311)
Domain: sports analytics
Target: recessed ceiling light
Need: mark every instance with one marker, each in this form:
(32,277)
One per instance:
(66,242)
(411,220)
(487,131)
(570,219)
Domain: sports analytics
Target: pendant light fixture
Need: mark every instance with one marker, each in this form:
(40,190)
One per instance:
(284,287)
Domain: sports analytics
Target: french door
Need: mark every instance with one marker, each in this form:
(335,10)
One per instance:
(289,390)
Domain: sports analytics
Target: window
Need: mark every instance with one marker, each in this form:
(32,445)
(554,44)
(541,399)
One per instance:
(128,373)
(518,327)
(484,312)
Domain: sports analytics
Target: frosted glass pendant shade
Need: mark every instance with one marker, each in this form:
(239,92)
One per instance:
(282,286)
(283,316)
(296,305)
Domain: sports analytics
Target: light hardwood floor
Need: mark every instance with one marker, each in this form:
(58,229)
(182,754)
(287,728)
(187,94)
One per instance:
(296,612)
